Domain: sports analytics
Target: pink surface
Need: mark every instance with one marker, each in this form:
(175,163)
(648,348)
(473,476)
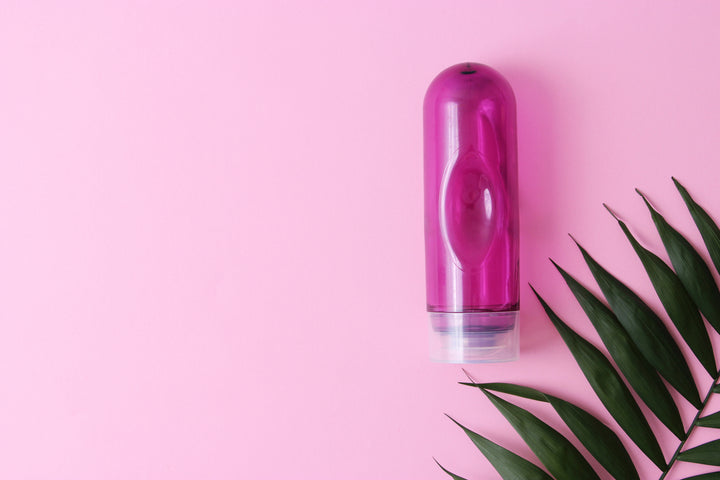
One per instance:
(212,241)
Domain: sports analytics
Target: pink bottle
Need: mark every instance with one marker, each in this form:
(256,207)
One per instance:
(471,216)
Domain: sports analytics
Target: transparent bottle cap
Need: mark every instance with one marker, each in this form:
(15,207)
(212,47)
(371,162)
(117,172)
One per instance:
(474,337)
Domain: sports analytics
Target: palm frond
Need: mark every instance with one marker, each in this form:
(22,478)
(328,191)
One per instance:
(642,348)
(600,440)
(641,376)
(507,463)
(677,302)
(609,388)
(690,267)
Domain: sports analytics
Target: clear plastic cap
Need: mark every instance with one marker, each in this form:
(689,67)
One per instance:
(474,337)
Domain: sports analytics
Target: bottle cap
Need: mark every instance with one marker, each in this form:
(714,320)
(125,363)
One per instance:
(474,337)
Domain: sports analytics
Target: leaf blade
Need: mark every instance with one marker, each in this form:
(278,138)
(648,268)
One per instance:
(646,330)
(643,378)
(452,475)
(559,456)
(707,454)
(710,421)
(678,304)
(705,476)
(509,465)
(690,268)
(598,438)
(709,230)
(511,389)
(609,387)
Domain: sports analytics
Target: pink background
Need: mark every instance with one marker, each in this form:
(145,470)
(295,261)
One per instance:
(211,255)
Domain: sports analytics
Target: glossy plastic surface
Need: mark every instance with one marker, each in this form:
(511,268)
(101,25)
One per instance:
(471,199)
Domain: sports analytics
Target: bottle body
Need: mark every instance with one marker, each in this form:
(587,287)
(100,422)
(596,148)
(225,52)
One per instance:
(471,215)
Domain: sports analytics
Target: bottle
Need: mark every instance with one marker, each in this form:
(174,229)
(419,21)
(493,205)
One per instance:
(471,216)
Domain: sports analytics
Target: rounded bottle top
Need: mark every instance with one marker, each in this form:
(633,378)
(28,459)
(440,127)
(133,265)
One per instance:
(469,82)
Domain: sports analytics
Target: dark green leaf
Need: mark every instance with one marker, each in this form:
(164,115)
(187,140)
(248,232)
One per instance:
(690,267)
(609,387)
(677,302)
(561,458)
(638,372)
(707,454)
(716,389)
(454,477)
(705,476)
(646,330)
(708,228)
(600,441)
(509,465)
(710,421)
(512,389)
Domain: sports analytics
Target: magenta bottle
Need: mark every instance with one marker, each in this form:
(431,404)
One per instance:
(471,216)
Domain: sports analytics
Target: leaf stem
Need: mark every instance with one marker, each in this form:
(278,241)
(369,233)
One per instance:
(691,428)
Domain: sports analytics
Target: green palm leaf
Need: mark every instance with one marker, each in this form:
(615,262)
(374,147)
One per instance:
(679,306)
(647,331)
(454,477)
(641,376)
(512,389)
(561,458)
(609,387)
(708,229)
(598,438)
(710,421)
(690,268)
(509,465)
(707,453)
(643,350)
